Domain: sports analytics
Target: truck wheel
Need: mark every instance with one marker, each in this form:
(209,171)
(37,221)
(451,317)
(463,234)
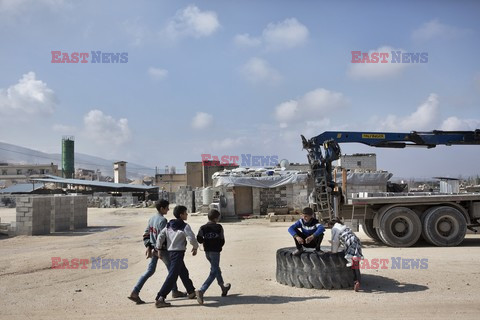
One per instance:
(444,227)
(400,227)
(313,270)
(369,230)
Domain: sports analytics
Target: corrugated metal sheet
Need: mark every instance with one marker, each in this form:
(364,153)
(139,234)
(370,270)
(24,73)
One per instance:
(21,188)
(98,184)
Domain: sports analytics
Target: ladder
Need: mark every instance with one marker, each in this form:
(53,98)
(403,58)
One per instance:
(322,196)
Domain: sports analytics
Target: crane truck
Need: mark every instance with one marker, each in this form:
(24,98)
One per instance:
(400,219)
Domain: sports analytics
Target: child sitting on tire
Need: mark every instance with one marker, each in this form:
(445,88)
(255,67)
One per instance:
(307,232)
(341,234)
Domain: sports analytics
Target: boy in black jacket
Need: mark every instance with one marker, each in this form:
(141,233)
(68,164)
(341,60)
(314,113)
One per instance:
(211,235)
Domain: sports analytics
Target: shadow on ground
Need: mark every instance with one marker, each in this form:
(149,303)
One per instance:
(82,232)
(378,284)
(239,299)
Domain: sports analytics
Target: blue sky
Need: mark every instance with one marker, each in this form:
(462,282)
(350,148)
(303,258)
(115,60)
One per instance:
(234,77)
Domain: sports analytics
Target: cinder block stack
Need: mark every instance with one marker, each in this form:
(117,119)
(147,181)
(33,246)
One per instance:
(185,196)
(44,214)
(79,218)
(60,212)
(33,215)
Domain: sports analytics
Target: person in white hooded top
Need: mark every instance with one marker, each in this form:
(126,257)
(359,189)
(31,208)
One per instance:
(343,235)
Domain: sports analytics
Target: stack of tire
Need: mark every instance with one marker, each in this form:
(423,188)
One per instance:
(313,270)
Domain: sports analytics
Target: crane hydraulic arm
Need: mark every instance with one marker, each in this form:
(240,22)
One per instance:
(321,163)
(396,139)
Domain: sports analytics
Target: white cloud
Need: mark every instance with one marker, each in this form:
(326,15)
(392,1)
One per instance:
(28,97)
(316,104)
(426,117)
(104,130)
(435,29)
(157,73)
(202,120)
(257,70)
(192,22)
(228,143)
(286,34)
(377,70)
(455,124)
(245,40)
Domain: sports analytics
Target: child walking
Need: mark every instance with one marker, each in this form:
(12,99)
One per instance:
(212,237)
(176,233)
(341,234)
(155,224)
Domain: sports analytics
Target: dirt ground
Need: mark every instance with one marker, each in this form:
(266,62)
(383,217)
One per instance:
(31,289)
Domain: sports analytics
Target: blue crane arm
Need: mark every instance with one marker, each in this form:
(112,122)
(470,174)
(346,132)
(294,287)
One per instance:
(397,139)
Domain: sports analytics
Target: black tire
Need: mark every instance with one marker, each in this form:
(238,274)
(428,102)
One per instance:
(369,230)
(400,227)
(313,270)
(444,227)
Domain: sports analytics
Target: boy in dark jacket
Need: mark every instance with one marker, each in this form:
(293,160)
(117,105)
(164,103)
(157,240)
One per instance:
(211,235)
(307,232)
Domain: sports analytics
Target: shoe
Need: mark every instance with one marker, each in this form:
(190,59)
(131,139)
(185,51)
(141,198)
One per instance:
(178,294)
(349,264)
(199,296)
(356,286)
(320,251)
(135,298)
(161,303)
(192,295)
(297,252)
(225,289)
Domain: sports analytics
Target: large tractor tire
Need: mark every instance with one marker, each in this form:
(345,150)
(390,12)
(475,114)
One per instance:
(313,270)
(369,230)
(400,227)
(444,226)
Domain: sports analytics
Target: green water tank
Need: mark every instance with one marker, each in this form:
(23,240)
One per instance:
(68,157)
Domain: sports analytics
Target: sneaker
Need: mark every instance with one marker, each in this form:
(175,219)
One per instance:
(199,296)
(192,295)
(136,299)
(356,286)
(161,303)
(178,294)
(297,252)
(225,289)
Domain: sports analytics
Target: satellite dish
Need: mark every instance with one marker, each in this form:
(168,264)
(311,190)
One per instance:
(284,163)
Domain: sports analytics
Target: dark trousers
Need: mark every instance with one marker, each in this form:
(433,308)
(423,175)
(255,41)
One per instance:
(315,243)
(356,270)
(176,269)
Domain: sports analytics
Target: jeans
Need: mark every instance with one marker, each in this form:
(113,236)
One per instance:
(176,269)
(215,272)
(313,244)
(152,266)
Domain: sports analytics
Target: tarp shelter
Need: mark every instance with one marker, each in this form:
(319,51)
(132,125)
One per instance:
(261,182)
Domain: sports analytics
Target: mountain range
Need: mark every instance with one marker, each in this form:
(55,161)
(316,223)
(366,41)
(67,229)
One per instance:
(10,153)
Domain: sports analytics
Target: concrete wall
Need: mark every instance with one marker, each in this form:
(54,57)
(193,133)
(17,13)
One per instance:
(273,198)
(38,215)
(185,196)
(171,182)
(194,174)
(366,161)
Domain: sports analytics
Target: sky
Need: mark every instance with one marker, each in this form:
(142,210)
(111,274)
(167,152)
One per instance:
(239,77)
